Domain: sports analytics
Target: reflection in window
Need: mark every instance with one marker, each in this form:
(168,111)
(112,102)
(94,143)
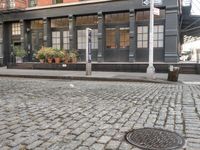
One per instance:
(158,35)
(124,37)
(66,40)
(56,39)
(11,3)
(142,36)
(81,34)
(57,1)
(110,38)
(117,18)
(86,20)
(144,15)
(32,3)
(37,24)
(59,23)
(16,30)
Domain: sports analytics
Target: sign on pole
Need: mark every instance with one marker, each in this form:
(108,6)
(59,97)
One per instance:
(156,11)
(88,51)
(147,2)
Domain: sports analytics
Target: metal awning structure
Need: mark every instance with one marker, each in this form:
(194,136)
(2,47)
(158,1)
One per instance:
(190,19)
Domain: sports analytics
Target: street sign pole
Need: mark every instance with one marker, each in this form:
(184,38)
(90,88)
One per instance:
(151,69)
(88,51)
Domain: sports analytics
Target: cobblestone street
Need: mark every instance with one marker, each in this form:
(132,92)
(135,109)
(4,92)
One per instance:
(90,115)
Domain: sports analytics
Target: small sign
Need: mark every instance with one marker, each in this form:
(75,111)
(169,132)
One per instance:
(156,11)
(147,2)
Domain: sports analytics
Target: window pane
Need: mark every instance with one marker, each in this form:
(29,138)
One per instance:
(140,37)
(160,43)
(37,24)
(160,37)
(56,39)
(81,34)
(110,38)
(87,20)
(66,40)
(16,29)
(139,44)
(155,43)
(117,18)
(144,15)
(145,29)
(139,29)
(124,37)
(145,37)
(59,23)
(145,44)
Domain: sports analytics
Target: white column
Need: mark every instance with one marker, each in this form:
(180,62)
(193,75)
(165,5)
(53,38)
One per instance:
(151,69)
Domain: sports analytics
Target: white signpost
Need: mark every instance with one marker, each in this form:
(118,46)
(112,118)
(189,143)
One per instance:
(88,51)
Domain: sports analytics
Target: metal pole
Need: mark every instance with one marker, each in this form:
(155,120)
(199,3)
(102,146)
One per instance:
(151,69)
(88,52)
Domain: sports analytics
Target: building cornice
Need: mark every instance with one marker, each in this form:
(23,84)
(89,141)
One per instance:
(68,4)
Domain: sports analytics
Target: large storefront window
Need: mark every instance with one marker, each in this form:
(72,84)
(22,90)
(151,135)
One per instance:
(60,33)
(81,34)
(83,22)
(16,30)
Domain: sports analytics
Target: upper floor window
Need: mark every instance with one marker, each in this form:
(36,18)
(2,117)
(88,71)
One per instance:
(117,18)
(86,20)
(16,30)
(37,24)
(59,23)
(11,3)
(145,15)
(57,1)
(32,3)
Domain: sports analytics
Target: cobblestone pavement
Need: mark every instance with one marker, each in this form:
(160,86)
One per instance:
(66,115)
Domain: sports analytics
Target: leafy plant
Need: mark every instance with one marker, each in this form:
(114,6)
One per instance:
(19,52)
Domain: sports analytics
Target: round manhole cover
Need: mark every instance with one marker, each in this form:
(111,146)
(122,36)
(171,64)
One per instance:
(155,139)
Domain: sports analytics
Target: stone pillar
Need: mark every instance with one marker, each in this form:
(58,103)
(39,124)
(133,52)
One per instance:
(1,43)
(171,35)
(100,37)
(47,32)
(72,34)
(132,47)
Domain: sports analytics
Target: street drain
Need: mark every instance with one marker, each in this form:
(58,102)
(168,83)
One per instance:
(155,139)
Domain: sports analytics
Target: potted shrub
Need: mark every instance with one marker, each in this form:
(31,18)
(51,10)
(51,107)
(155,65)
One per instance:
(41,55)
(19,53)
(58,56)
(50,54)
(73,54)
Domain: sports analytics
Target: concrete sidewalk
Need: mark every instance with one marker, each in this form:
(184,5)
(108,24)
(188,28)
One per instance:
(98,76)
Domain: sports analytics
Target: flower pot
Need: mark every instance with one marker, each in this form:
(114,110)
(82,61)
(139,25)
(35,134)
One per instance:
(42,61)
(50,60)
(57,60)
(19,60)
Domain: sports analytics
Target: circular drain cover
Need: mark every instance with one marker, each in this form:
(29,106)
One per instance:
(155,139)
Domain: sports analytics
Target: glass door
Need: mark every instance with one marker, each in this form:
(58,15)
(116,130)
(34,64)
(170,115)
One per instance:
(36,43)
(117,44)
